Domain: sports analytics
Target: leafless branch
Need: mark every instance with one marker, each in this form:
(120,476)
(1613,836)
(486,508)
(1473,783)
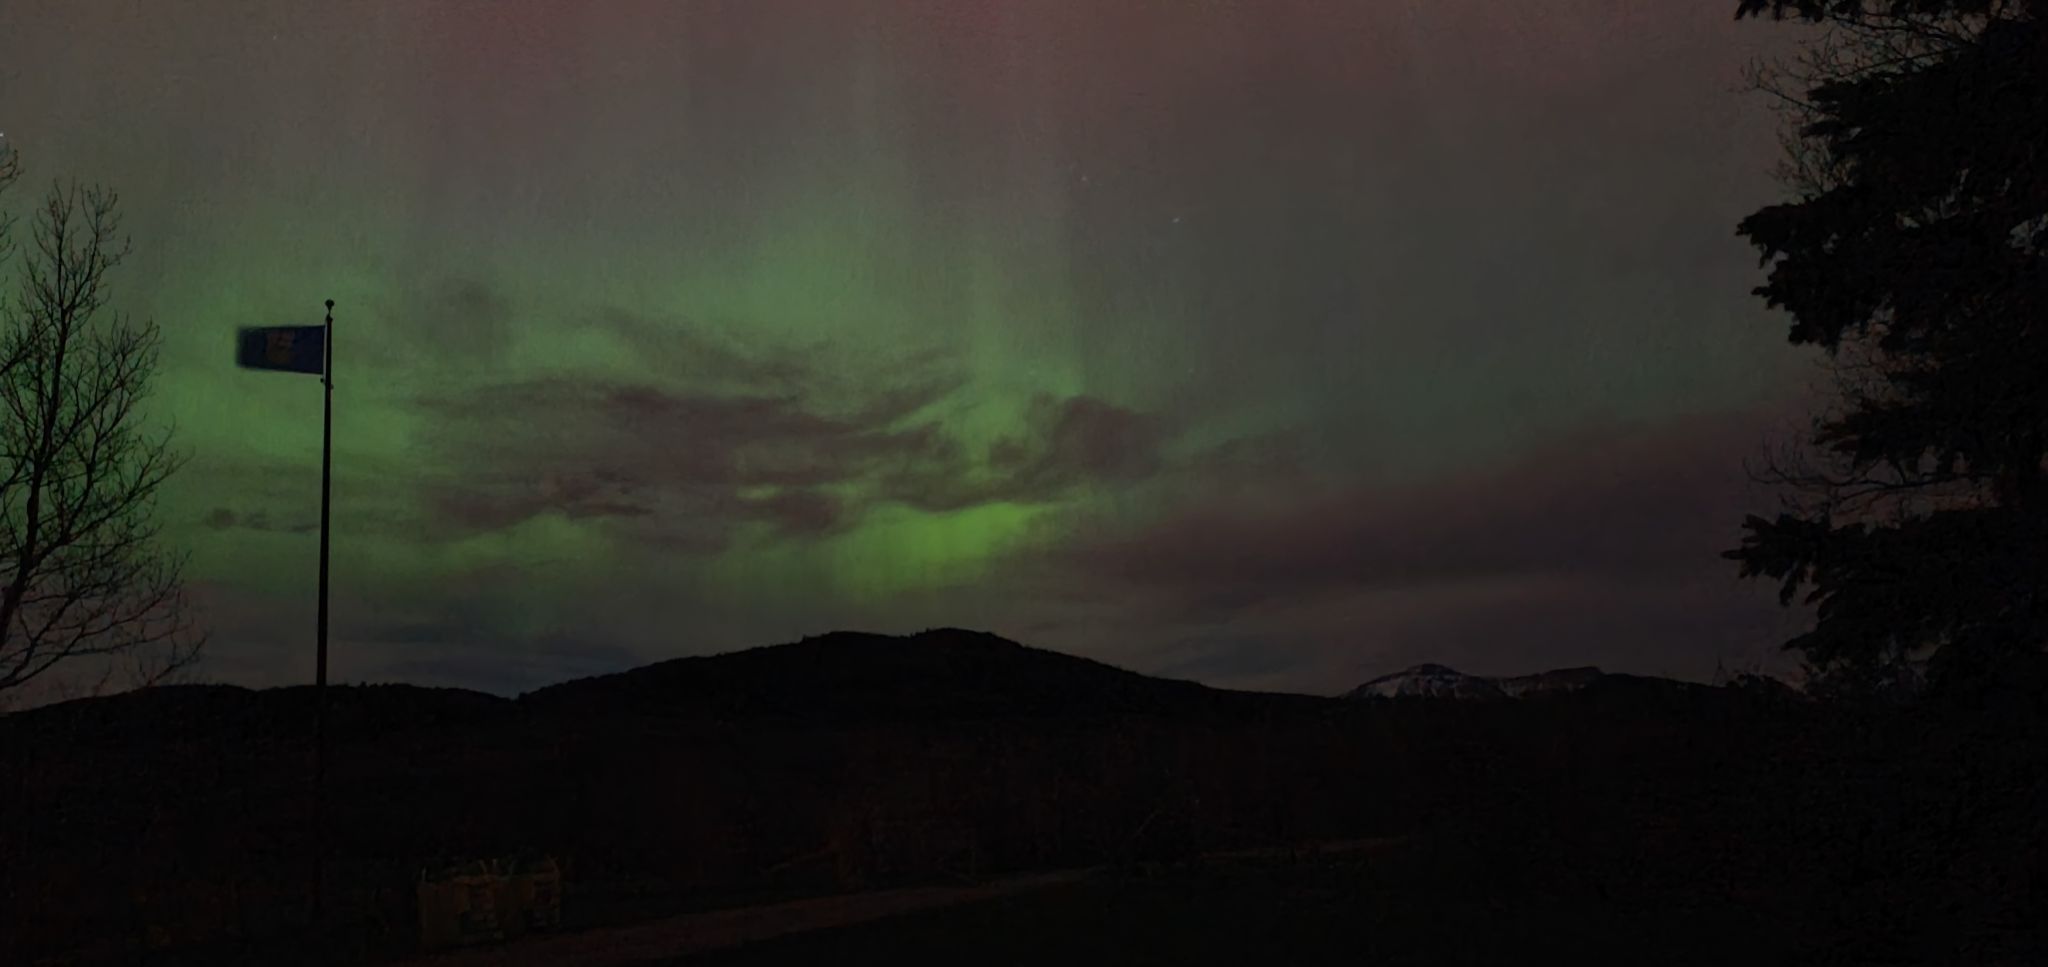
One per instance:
(81,572)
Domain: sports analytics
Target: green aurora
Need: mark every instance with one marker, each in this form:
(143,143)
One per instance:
(673,328)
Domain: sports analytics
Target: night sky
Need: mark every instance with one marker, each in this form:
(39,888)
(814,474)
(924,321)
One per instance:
(1269,344)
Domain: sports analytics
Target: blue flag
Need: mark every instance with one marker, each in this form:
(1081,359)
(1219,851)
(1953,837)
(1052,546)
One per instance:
(293,349)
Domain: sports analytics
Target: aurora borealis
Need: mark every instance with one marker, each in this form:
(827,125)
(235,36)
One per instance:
(1273,344)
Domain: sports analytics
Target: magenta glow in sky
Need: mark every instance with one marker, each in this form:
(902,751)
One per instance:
(1271,344)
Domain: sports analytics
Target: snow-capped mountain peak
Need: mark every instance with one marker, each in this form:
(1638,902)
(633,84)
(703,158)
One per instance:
(1429,681)
(1440,681)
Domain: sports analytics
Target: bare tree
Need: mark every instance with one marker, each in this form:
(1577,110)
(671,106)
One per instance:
(82,575)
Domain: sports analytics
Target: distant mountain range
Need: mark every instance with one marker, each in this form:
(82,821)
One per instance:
(1441,681)
(838,679)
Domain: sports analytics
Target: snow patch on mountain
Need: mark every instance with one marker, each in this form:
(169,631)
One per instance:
(1556,680)
(1441,681)
(1429,681)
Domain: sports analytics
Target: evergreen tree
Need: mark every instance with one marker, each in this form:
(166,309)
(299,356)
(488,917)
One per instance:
(1916,256)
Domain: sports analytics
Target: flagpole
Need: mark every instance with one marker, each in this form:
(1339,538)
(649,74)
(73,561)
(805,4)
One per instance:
(326,481)
(320,672)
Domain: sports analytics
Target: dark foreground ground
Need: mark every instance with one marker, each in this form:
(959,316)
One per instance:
(1439,900)
(1634,821)
(1426,903)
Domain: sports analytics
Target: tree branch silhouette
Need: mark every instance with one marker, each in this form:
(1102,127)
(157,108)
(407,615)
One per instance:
(83,573)
(1914,510)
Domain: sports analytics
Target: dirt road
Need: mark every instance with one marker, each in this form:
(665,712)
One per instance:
(700,932)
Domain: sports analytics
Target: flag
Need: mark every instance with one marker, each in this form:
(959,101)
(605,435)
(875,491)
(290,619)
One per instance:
(293,349)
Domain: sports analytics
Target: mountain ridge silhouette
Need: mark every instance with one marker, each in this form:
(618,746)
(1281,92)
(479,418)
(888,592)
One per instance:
(845,677)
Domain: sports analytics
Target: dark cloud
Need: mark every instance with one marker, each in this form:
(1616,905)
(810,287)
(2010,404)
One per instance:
(889,406)
(496,502)
(1621,503)
(1065,444)
(1262,459)
(469,320)
(1600,549)
(637,454)
(428,321)
(1078,439)
(801,513)
(688,436)
(222,518)
(691,352)
(373,495)
(625,451)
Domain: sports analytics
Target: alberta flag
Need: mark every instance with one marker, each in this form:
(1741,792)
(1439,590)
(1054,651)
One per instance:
(293,349)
